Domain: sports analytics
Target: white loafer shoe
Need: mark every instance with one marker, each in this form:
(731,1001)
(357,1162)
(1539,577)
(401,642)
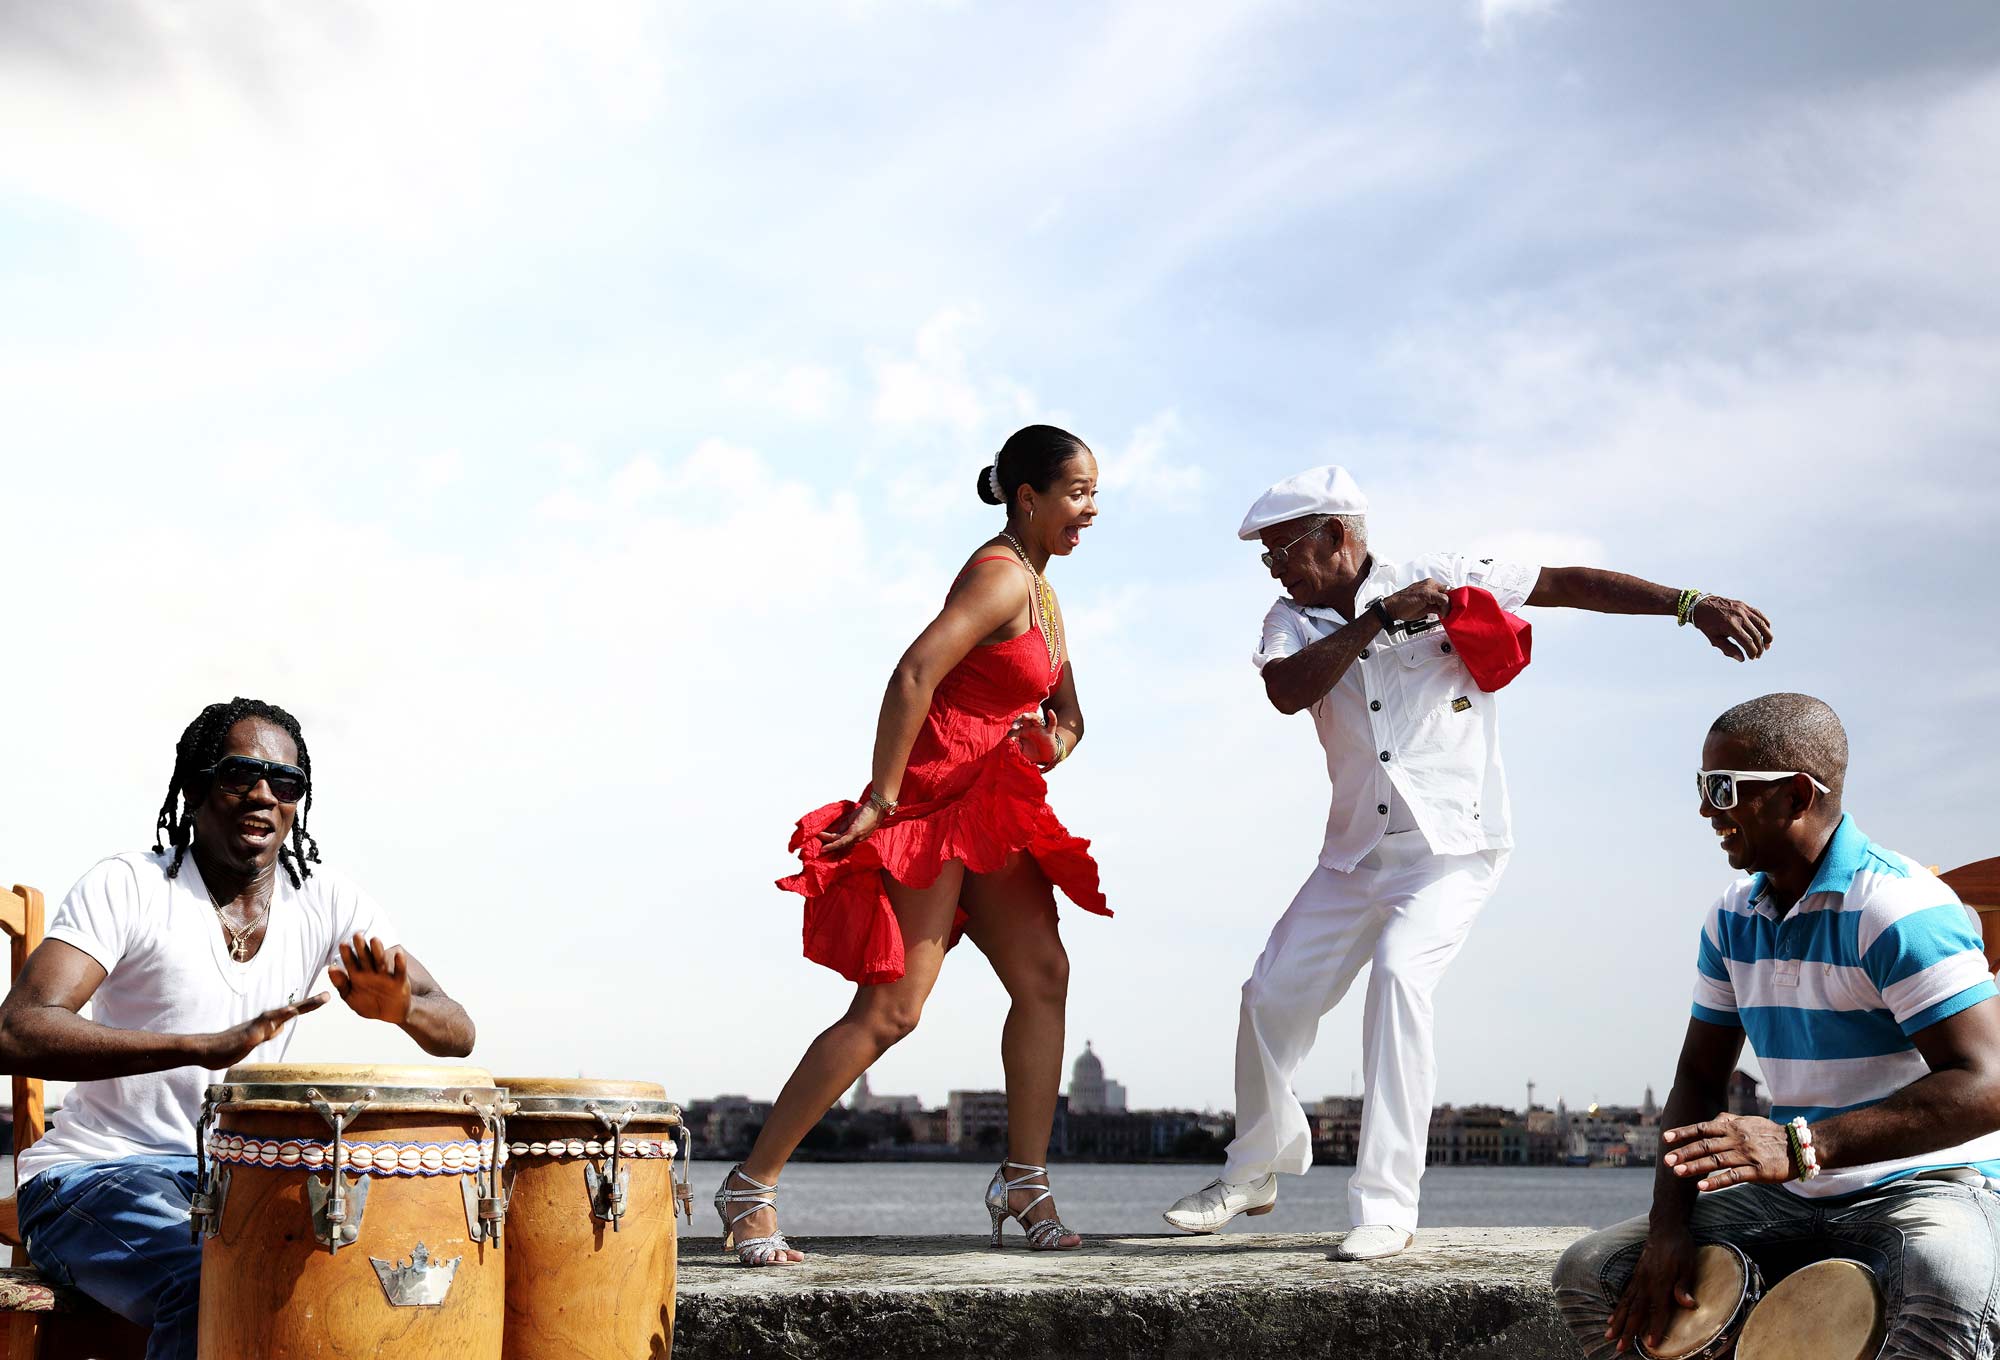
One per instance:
(1371,1242)
(1207,1209)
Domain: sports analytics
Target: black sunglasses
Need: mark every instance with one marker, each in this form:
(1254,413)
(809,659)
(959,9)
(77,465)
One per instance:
(240,774)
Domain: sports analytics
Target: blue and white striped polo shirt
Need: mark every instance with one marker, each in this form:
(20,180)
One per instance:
(1830,994)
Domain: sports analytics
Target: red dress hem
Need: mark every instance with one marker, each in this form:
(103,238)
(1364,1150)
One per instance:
(850,926)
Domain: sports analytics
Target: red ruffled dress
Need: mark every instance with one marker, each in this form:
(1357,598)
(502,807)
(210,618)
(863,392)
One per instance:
(968,794)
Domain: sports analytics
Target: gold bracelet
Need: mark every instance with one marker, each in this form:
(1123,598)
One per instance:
(884,805)
(1062,747)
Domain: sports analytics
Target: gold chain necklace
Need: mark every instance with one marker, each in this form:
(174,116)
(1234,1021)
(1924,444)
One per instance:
(1044,604)
(239,948)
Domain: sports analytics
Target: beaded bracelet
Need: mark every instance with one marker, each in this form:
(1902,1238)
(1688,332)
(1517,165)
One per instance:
(1805,1161)
(1684,607)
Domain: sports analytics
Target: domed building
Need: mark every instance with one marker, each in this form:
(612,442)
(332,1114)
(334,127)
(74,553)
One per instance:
(1089,1092)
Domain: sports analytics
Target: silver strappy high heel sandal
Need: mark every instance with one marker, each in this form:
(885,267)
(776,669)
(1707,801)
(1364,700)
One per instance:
(1042,1236)
(751,1251)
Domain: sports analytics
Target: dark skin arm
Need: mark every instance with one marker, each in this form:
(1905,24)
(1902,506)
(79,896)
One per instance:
(1958,1100)
(988,601)
(1062,713)
(1664,1278)
(1733,628)
(42,1034)
(1297,682)
(386,982)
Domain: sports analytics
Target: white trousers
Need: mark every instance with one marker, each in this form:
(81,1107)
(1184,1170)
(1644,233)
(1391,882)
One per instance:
(1407,911)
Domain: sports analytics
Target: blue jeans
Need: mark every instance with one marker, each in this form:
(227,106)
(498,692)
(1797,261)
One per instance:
(1934,1246)
(119,1232)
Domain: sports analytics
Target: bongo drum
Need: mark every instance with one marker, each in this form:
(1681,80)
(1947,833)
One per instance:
(1727,1286)
(591,1194)
(1830,1310)
(350,1210)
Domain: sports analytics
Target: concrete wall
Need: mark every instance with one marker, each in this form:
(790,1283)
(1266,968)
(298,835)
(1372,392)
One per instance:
(1456,1295)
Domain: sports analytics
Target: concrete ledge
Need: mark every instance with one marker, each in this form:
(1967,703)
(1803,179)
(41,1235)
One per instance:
(1458,1294)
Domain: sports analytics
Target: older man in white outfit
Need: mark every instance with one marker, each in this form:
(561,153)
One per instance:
(1416,839)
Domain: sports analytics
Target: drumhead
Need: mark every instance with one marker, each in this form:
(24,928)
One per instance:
(1721,1274)
(572,1097)
(388,1084)
(1830,1310)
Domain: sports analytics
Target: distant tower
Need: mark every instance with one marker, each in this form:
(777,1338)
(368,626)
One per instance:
(1531,1099)
(1650,1109)
(860,1099)
(1086,1083)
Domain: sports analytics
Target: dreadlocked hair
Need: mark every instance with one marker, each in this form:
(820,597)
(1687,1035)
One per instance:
(199,748)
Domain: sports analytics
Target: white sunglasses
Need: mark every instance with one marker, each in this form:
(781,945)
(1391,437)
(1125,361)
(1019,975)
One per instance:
(1718,787)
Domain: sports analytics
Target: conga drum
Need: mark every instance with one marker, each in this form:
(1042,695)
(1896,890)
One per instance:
(1727,1286)
(1829,1310)
(1978,886)
(591,1195)
(349,1210)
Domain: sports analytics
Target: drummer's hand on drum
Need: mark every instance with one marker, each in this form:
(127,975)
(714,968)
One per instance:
(226,1048)
(1663,1281)
(373,979)
(850,830)
(1730,1149)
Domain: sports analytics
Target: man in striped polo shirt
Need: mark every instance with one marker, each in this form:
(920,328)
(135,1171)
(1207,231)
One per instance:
(1859,980)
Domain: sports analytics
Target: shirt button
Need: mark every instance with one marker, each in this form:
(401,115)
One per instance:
(1444,646)
(1364,653)
(1382,808)
(1385,757)
(1375,705)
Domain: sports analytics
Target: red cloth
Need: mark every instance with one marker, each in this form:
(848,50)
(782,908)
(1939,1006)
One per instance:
(968,794)
(1494,644)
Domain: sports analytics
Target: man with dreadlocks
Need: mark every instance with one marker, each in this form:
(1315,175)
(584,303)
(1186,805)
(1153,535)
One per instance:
(194,959)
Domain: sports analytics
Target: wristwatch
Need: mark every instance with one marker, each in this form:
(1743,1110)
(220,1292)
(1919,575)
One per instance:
(1382,616)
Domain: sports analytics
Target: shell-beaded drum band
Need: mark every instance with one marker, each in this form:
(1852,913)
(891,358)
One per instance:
(456,1158)
(592,1147)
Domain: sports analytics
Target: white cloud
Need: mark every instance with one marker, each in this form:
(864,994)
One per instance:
(209,130)
(807,392)
(934,386)
(1142,470)
(1496,14)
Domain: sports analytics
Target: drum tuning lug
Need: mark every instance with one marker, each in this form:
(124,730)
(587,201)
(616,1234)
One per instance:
(336,1216)
(607,1194)
(484,1214)
(205,1207)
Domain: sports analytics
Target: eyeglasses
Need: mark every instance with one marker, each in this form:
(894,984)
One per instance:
(240,774)
(1718,787)
(1275,558)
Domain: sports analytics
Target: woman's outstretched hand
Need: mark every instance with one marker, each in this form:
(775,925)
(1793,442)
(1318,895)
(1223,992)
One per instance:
(852,829)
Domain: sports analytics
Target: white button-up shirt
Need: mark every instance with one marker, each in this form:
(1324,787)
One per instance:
(1406,723)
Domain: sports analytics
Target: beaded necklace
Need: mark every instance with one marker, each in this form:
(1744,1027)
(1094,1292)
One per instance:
(1045,604)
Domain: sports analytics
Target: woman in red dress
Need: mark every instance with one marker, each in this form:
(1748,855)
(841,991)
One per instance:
(954,836)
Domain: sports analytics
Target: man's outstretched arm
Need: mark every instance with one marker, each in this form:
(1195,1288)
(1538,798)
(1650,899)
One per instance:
(1737,630)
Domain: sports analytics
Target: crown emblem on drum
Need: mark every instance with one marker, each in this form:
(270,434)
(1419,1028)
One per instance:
(418,1283)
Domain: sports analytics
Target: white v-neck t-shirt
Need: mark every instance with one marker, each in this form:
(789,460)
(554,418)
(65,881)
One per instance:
(168,970)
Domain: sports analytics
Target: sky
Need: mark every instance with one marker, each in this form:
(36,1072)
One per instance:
(571,415)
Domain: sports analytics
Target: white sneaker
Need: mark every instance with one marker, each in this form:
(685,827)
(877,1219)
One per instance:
(1207,1209)
(1371,1242)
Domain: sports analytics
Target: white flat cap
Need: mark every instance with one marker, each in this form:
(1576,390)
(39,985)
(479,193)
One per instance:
(1316,491)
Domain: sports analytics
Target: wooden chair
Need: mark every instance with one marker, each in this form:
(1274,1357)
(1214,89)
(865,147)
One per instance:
(39,1321)
(1978,886)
